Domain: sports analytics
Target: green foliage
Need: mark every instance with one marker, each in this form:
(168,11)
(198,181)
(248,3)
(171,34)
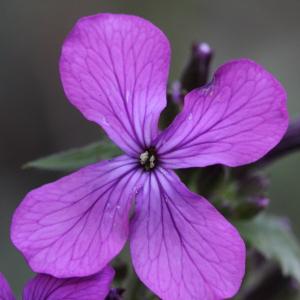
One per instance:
(274,239)
(76,158)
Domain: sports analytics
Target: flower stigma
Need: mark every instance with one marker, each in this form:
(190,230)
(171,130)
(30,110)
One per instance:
(148,159)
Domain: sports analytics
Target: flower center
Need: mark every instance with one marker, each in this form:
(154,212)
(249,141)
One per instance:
(148,159)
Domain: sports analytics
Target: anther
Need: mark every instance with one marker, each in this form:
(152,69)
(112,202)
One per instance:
(148,159)
(144,157)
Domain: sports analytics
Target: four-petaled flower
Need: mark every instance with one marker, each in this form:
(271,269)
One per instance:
(46,287)
(114,69)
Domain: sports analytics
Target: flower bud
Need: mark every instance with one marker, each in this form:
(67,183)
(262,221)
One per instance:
(252,184)
(251,207)
(115,294)
(196,73)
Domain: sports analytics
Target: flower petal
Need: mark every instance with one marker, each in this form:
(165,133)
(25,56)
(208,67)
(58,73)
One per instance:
(182,247)
(114,69)
(235,120)
(45,287)
(5,290)
(76,225)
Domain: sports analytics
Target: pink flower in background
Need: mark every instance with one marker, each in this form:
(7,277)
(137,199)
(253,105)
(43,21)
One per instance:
(114,69)
(45,287)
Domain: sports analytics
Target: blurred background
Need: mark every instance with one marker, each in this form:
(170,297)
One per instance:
(36,118)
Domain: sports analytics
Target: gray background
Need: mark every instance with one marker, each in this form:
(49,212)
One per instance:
(36,119)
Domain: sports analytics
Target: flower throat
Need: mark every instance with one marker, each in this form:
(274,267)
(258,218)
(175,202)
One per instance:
(148,159)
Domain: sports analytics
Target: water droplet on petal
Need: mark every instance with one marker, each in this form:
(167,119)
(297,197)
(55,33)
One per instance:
(104,121)
(190,117)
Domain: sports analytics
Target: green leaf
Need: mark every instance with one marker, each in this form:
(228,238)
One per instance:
(76,158)
(274,239)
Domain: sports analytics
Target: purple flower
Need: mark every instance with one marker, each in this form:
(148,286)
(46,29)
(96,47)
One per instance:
(45,287)
(114,69)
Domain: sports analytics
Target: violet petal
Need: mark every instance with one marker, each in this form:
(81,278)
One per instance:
(182,247)
(5,290)
(235,120)
(45,287)
(76,225)
(114,69)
